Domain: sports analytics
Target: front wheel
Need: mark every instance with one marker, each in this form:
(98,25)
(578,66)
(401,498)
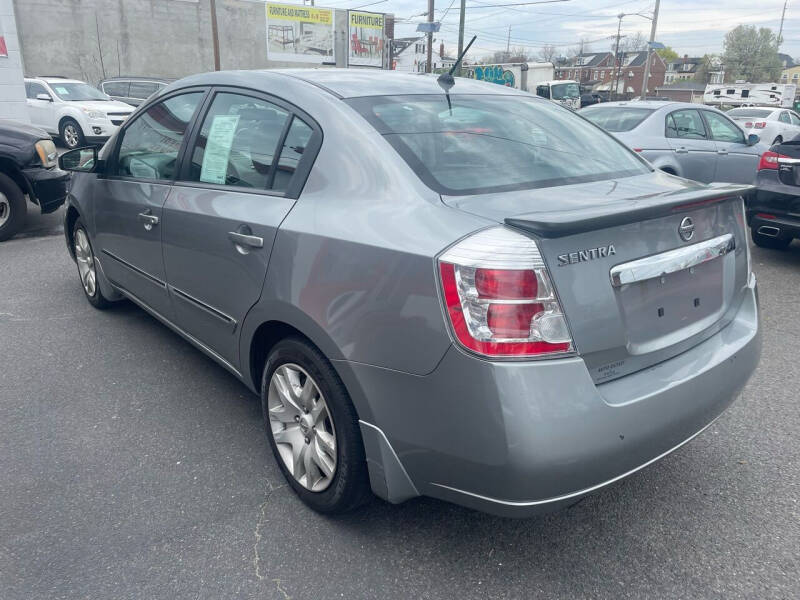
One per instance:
(71,134)
(313,429)
(12,208)
(773,243)
(87,266)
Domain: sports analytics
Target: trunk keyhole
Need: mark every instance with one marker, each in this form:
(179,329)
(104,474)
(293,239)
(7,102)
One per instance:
(661,312)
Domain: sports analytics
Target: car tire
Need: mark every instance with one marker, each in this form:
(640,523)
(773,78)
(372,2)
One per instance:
(87,266)
(71,134)
(773,243)
(13,207)
(300,428)
(777,140)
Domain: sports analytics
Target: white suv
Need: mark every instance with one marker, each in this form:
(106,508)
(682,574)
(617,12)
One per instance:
(73,110)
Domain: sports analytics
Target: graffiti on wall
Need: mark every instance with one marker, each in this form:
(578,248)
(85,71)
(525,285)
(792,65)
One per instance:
(493,74)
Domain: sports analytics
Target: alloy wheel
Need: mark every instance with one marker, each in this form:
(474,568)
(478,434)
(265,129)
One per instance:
(302,427)
(85,259)
(5,209)
(70,136)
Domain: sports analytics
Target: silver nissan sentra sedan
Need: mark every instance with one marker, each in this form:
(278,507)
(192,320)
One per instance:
(477,295)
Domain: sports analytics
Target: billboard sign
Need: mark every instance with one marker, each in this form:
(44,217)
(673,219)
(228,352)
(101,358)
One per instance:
(366,38)
(298,33)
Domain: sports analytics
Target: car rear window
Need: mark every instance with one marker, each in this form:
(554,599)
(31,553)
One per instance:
(617,118)
(495,143)
(759,113)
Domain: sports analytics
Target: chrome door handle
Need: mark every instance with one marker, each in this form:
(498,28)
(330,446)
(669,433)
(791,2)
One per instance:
(681,151)
(242,239)
(149,220)
(722,152)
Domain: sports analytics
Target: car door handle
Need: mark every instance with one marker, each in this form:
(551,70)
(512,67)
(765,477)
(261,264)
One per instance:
(242,239)
(148,220)
(722,152)
(681,150)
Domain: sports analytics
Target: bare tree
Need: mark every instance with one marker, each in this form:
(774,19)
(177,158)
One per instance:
(548,53)
(633,43)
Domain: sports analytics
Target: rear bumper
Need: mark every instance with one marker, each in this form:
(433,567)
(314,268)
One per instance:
(518,439)
(48,186)
(775,200)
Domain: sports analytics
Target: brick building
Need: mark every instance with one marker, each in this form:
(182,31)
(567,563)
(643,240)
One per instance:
(596,70)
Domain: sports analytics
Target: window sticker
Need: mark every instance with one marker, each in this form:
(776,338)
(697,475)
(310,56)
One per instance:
(218,149)
(61,90)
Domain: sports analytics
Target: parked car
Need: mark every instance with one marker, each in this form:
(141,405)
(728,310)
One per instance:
(132,90)
(27,168)
(692,141)
(73,110)
(590,99)
(427,301)
(773,125)
(773,212)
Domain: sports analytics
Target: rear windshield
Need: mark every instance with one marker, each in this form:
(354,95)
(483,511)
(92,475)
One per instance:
(616,118)
(759,113)
(495,143)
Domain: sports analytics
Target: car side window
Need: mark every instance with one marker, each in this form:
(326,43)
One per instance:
(292,151)
(784,117)
(116,88)
(722,129)
(685,124)
(32,89)
(142,89)
(150,144)
(237,143)
(795,119)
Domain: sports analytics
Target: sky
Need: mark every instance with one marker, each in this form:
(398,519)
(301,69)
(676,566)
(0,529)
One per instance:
(690,27)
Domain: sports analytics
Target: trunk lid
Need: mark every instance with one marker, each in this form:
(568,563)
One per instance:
(634,290)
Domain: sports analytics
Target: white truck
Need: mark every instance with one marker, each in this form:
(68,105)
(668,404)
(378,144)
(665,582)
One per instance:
(779,95)
(563,91)
(536,78)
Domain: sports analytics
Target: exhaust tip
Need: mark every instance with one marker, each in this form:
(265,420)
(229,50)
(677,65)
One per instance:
(769,231)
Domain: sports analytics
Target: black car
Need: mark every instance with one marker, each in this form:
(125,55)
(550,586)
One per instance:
(27,168)
(773,212)
(132,90)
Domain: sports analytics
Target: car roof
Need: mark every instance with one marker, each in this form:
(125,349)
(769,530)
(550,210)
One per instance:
(350,83)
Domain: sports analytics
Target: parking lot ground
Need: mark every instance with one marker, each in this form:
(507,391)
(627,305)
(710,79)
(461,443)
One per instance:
(131,466)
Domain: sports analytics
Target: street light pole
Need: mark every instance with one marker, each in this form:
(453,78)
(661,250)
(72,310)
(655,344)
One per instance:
(646,81)
(461,33)
(214,34)
(616,56)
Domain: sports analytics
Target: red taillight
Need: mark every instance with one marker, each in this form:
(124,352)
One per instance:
(499,299)
(748,125)
(769,160)
(637,149)
(765,216)
(759,125)
(505,284)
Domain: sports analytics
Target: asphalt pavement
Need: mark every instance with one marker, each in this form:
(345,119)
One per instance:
(132,466)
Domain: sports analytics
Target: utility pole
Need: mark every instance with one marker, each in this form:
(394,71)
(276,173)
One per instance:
(461,33)
(214,33)
(508,44)
(615,77)
(430,37)
(780,31)
(646,79)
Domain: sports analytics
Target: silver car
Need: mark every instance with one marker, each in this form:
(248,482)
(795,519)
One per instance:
(477,295)
(773,125)
(690,140)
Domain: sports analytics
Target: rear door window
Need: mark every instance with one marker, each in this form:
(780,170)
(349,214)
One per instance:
(150,144)
(722,128)
(237,143)
(292,151)
(686,124)
(795,119)
(617,118)
(784,117)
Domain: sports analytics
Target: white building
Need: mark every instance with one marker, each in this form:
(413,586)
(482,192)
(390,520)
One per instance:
(410,55)
(12,85)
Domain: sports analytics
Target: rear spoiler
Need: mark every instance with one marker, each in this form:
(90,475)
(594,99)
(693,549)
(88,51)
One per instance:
(555,224)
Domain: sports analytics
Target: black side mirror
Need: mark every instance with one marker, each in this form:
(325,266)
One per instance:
(753,139)
(82,160)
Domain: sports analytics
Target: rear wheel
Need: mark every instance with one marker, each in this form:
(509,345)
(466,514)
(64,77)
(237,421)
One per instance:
(313,429)
(12,208)
(765,241)
(777,140)
(71,133)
